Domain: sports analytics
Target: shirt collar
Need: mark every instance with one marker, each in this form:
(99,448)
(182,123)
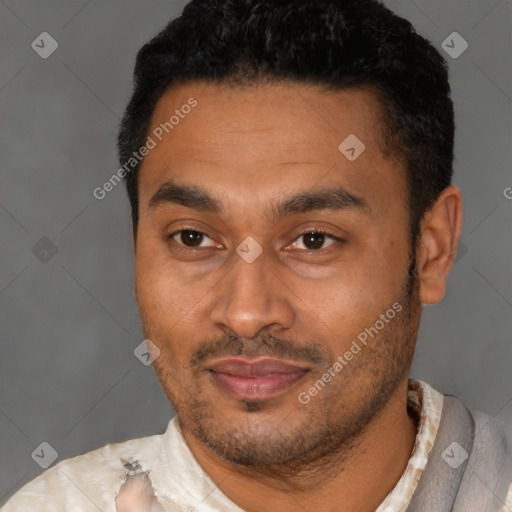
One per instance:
(427,404)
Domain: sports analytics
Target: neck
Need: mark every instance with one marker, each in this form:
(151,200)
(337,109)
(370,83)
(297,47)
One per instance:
(357,478)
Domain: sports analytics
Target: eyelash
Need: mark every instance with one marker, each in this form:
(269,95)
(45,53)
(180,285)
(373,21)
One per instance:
(307,232)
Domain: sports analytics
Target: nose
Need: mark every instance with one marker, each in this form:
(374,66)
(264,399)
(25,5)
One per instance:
(251,298)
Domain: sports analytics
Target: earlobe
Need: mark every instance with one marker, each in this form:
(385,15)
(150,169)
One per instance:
(440,233)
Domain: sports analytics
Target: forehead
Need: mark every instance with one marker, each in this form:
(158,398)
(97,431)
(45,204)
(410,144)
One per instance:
(263,137)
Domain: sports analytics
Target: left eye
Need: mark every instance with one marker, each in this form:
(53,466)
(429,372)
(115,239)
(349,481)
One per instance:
(314,240)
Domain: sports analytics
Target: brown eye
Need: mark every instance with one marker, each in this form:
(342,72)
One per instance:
(191,238)
(315,240)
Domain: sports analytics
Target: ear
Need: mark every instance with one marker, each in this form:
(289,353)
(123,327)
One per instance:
(437,246)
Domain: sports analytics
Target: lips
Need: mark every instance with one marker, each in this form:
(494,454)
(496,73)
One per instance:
(255,379)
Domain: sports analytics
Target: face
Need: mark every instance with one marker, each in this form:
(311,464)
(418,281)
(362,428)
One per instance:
(272,267)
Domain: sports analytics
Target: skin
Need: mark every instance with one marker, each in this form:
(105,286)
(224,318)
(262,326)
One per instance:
(249,148)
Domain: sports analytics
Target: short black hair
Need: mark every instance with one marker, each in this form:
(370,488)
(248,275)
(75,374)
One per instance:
(334,44)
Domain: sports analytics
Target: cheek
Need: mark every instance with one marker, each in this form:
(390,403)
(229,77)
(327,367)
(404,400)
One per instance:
(363,283)
(160,284)
(381,270)
(354,296)
(164,310)
(171,305)
(336,312)
(156,292)
(170,284)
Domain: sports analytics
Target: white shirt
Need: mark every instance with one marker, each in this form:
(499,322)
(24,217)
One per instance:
(91,482)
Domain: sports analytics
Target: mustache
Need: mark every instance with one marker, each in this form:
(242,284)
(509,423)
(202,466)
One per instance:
(264,345)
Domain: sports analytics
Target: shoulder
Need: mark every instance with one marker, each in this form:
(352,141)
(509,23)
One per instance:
(488,471)
(86,482)
(489,427)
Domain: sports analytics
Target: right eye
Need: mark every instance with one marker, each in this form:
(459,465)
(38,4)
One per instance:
(189,238)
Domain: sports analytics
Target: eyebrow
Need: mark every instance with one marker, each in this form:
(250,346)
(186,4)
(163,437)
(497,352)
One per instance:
(333,198)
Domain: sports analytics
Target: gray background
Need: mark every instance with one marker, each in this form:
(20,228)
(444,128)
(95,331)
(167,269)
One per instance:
(69,325)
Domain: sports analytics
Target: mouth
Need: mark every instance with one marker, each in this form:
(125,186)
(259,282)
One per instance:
(256,379)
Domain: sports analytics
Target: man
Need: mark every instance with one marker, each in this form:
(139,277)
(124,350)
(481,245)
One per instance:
(288,164)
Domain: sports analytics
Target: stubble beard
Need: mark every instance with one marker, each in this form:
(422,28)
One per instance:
(323,432)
